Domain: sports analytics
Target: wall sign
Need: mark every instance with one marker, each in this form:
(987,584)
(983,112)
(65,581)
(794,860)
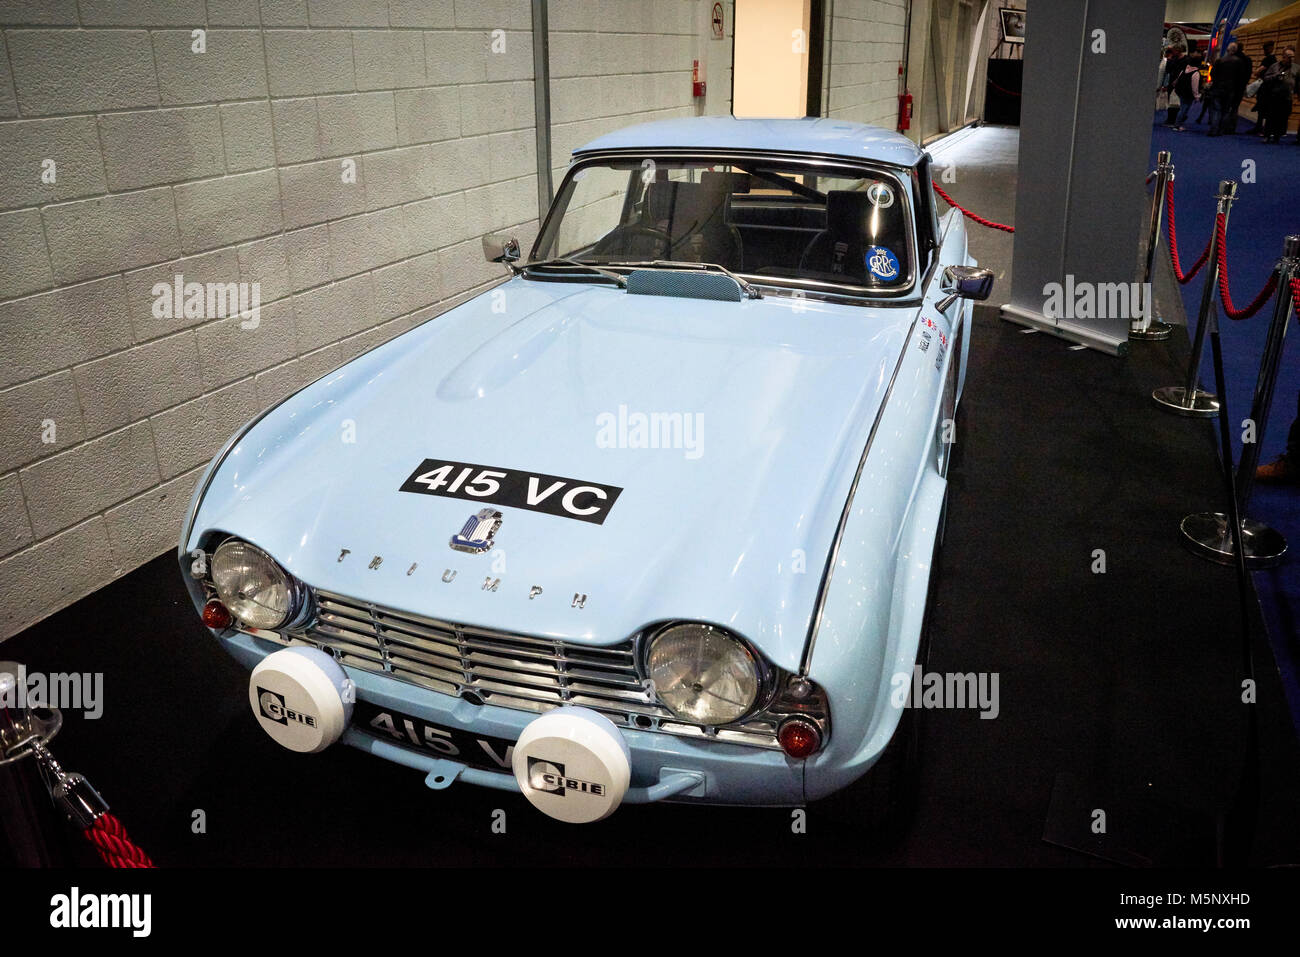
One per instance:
(716,20)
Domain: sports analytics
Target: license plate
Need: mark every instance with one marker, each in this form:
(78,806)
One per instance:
(454,744)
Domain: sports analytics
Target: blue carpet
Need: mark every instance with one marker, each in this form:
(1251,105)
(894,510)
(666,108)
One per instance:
(1267,210)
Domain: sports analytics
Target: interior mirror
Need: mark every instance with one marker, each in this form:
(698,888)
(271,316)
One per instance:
(968,282)
(500,248)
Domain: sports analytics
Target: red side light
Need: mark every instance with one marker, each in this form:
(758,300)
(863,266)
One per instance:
(799,738)
(215,615)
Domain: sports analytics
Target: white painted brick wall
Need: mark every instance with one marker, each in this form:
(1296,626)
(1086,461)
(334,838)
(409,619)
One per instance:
(619,62)
(222,166)
(866,44)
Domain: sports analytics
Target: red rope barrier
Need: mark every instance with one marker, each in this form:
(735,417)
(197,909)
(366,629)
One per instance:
(114,845)
(1183,278)
(1295,296)
(1221,228)
(1001,89)
(969,215)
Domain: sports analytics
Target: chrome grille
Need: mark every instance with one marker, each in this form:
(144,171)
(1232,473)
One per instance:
(510,671)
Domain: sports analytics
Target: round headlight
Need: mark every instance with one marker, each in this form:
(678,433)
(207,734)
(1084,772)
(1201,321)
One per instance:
(248,581)
(703,674)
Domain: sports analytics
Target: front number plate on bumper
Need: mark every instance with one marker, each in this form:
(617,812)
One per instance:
(474,750)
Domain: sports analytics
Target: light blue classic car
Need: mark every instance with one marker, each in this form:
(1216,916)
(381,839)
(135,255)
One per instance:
(652,519)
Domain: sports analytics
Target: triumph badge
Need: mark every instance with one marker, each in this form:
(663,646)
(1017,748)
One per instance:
(476,536)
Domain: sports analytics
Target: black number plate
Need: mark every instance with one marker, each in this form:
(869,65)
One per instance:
(565,497)
(475,750)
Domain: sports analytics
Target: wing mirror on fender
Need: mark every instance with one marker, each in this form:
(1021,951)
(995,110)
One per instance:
(965,282)
(500,248)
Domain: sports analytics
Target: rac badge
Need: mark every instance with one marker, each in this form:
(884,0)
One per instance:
(476,536)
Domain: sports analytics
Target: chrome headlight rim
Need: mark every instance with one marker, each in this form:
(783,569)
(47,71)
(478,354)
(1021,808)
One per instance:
(765,673)
(298,593)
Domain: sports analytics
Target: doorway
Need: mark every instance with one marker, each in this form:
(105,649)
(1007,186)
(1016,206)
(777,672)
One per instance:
(778,58)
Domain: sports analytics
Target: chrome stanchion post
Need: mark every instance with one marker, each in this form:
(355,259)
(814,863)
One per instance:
(28,822)
(1288,268)
(1188,399)
(1207,533)
(1157,328)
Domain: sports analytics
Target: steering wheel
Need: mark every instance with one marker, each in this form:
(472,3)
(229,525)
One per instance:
(630,239)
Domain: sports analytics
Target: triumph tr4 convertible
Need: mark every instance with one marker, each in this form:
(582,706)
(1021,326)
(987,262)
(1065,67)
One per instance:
(653,518)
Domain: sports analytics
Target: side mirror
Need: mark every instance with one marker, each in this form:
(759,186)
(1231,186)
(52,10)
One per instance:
(967,282)
(500,248)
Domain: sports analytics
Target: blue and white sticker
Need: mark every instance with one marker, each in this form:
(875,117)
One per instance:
(882,263)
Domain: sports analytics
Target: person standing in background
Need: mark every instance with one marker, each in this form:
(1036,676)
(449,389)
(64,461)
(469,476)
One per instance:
(1207,79)
(1188,88)
(1265,62)
(1218,94)
(1276,92)
(1268,59)
(1238,75)
(1169,71)
(1170,68)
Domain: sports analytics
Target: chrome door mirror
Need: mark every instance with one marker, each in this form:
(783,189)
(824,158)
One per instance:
(965,282)
(968,282)
(500,248)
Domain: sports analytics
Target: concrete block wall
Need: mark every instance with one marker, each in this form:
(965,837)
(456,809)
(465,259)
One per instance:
(619,62)
(126,157)
(865,41)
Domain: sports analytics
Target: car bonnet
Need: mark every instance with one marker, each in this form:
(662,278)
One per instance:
(760,411)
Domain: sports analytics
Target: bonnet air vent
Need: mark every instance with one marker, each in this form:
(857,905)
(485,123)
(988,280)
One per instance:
(684,284)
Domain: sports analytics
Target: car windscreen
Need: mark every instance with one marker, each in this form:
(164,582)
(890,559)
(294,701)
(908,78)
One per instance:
(773,221)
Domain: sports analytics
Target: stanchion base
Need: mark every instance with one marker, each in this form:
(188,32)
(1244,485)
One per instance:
(1155,331)
(1207,534)
(1173,398)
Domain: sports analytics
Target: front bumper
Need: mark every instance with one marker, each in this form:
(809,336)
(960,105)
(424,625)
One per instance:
(664,766)
(444,772)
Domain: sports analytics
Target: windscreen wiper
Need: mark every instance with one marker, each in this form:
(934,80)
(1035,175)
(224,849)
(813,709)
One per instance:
(617,278)
(751,291)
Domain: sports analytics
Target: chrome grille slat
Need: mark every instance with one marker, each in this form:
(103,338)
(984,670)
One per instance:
(496,663)
(431,656)
(544,656)
(360,615)
(449,675)
(433,684)
(512,671)
(354,650)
